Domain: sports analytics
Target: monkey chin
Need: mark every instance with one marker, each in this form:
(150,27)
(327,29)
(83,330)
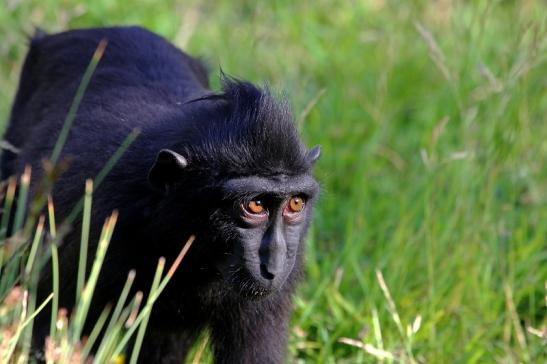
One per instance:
(255,294)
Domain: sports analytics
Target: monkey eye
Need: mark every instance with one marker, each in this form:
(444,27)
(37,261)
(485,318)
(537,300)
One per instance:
(296,204)
(254,211)
(255,207)
(294,207)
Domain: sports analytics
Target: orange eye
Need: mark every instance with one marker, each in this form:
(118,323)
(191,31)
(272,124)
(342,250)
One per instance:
(296,204)
(255,207)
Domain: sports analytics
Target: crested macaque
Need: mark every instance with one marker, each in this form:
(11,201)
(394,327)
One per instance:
(227,167)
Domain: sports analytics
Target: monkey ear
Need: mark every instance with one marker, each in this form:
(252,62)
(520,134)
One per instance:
(167,169)
(313,154)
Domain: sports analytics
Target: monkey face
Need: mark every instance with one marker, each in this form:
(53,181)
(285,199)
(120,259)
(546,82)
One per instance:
(244,176)
(251,227)
(268,220)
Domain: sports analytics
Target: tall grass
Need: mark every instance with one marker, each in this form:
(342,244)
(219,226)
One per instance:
(21,267)
(431,117)
(23,258)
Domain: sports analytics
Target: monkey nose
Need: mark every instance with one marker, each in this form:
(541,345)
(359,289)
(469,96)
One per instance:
(272,255)
(272,266)
(265,272)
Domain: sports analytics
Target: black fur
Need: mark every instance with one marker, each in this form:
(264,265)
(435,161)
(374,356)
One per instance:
(218,151)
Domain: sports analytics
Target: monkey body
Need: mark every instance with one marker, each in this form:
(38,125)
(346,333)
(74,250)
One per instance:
(228,167)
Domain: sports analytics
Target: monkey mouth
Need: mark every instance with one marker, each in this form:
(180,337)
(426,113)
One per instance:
(243,283)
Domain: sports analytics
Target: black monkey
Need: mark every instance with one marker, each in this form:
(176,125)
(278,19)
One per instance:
(228,167)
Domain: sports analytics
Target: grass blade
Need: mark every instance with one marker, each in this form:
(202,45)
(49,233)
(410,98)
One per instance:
(6,213)
(85,301)
(22,200)
(144,323)
(61,139)
(154,296)
(121,301)
(84,242)
(104,172)
(54,267)
(95,332)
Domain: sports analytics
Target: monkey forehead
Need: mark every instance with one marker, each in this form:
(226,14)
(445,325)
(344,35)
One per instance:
(278,184)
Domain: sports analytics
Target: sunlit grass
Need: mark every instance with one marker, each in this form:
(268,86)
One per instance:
(431,117)
(66,343)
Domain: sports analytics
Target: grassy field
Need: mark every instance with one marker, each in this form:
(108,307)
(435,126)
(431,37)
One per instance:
(432,116)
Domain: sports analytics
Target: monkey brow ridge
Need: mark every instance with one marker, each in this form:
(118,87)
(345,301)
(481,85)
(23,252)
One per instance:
(278,184)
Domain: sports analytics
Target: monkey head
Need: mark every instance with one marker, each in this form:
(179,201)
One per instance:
(246,176)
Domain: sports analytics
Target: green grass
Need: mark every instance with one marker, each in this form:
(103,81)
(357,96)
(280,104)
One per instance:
(432,121)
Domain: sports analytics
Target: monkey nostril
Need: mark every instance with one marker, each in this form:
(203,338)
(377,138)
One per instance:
(265,273)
